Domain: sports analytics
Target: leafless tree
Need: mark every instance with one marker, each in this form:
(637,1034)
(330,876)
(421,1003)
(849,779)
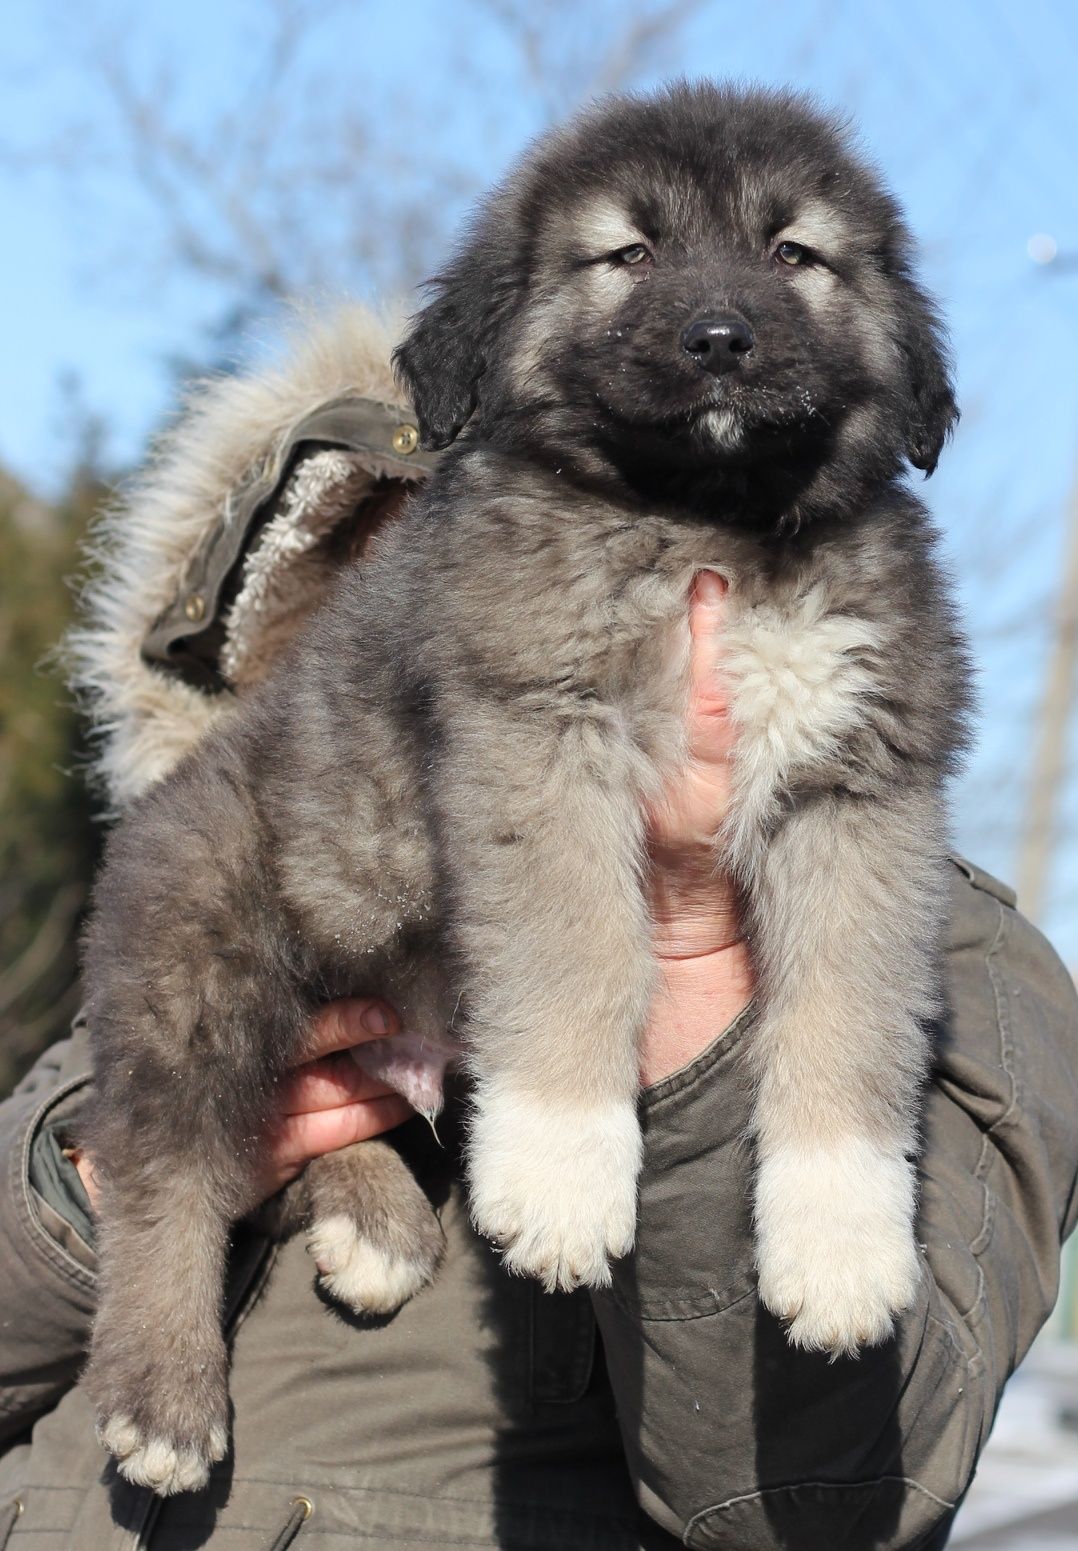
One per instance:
(316,176)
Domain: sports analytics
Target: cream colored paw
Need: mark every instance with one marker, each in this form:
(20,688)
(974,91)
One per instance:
(834,1243)
(555,1188)
(360,1273)
(161,1463)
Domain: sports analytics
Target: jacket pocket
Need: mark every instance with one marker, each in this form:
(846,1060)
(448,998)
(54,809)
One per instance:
(562,1345)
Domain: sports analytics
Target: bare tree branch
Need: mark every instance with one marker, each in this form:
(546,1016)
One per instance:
(639,44)
(298,183)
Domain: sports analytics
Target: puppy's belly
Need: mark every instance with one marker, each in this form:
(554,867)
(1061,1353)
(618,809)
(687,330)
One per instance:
(414,1065)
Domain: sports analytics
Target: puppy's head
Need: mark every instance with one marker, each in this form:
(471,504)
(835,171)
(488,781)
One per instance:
(706,280)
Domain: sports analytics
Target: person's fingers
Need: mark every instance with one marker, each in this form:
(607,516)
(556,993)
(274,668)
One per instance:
(84,1167)
(298,1138)
(351,1021)
(328,1083)
(710,704)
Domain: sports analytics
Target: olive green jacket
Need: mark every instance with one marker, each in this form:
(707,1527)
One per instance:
(671,1408)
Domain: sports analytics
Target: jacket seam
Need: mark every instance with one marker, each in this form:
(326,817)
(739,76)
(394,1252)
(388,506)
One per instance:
(959,1354)
(826,1486)
(482,1542)
(677,1311)
(1006,1037)
(973,1314)
(517,1505)
(983,1238)
(248,1294)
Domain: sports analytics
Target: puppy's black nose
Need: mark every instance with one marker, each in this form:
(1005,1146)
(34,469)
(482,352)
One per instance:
(718,343)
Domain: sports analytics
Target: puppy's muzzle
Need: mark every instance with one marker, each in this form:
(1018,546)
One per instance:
(717,344)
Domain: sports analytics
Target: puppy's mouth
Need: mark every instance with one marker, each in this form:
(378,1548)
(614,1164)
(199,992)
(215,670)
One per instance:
(721,412)
(749,404)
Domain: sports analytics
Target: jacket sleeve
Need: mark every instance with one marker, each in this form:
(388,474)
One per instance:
(734,1439)
(46,1270)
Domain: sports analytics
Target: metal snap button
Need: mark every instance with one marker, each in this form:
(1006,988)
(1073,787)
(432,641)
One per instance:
(405,439)
(195,607)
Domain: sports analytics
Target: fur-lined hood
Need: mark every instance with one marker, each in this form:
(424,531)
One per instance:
(233,531)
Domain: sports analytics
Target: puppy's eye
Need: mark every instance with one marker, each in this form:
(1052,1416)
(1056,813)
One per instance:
(636,254)
(793,253)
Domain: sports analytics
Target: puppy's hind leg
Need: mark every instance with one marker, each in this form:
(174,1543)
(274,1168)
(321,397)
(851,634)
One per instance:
(373,1235)
(846,910)
(157,1373)
(194,1011)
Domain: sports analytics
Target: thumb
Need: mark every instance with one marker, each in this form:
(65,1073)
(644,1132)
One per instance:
(707,613)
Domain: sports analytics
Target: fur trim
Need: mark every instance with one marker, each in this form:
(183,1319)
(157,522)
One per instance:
(285,576)
(143,721)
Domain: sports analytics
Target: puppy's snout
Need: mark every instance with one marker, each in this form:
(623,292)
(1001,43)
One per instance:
(717,344)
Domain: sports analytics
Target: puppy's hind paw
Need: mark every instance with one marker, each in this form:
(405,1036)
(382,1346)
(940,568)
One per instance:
(365,1275)
(166,1465)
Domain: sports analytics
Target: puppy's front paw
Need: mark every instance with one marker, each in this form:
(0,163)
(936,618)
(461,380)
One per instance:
(165,1463)
(555,1188)
(835,1247)
(368,1276)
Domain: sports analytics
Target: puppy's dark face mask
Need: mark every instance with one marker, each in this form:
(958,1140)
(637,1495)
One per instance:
(708,282)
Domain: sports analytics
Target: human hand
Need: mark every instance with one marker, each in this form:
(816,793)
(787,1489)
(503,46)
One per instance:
(705,974)
(326,1102)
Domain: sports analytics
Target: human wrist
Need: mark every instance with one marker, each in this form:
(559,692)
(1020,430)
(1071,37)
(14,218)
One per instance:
(704,968)
(696,910)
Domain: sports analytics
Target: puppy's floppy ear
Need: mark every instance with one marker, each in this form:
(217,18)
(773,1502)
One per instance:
(440,361)
(932,412)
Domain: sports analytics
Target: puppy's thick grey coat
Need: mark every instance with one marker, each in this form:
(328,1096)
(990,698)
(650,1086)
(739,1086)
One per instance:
(685,335)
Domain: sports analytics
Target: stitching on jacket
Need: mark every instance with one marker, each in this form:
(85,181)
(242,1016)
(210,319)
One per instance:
(971,1315)
(1006,1038)
(968,1360)
(678,1310)
(815,1486)
(980,1242)
(983,1238)
(331,1483)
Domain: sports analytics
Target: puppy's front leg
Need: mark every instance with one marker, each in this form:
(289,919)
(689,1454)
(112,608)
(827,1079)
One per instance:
(542,834)
(847,905)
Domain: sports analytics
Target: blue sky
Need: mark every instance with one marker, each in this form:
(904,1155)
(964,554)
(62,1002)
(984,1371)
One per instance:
(970,107)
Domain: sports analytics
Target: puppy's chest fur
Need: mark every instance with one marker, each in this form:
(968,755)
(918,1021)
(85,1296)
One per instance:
(585,618)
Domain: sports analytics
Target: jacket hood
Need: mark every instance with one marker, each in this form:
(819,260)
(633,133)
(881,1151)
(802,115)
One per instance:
(212,557)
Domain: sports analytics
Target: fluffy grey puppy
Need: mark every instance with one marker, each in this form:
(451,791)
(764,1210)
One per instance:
(685,334)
